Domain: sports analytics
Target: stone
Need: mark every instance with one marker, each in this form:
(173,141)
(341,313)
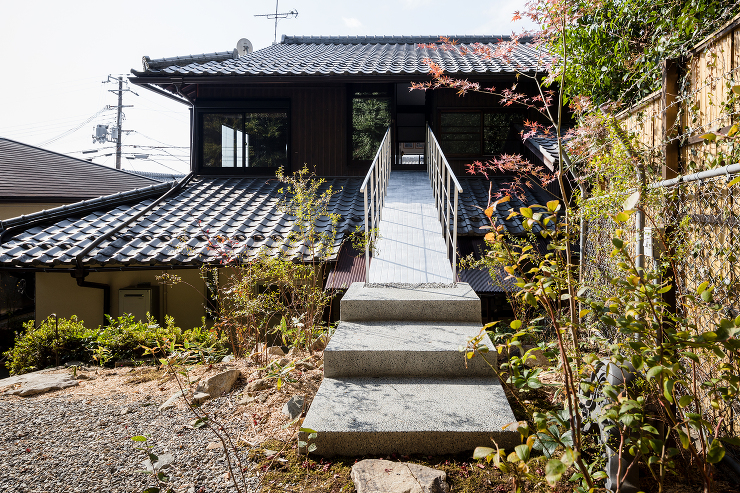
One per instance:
(200,397)
(304,366)
(214,445)
(284,362)
(78,364)
(38,383)
(170,403)
(257,385)
(261,398)
(164,461)
(294,407)
(245,399)
(320,343)
(228,358)
(384,476)
(275,351)
(218,384)
(535,358)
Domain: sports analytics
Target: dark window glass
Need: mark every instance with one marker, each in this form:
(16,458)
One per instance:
(460,133)
(223,140)
(498,135)
(253,140)
(266,140)
(371,116)
(476,133)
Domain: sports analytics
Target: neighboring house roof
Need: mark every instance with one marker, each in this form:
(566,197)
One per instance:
(32,174)
(544,146)
(174,232)
(349,55)
(158,176)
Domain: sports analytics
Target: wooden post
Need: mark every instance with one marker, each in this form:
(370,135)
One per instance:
(669,99)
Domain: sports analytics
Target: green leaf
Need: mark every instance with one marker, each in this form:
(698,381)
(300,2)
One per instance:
(732,441)
(553,205)
(515,324)
(553,471)
(630,204)
(152,489)
(685,400)
(716,452)
(139,438)
(522,451)
(654,372)
(307,430)
(709,137)
(734,181)
(736,89)
(637,361)
(482,452)
(526,212)
(706,295)
(618,242)
(311,448)
(684,438)
(199,423)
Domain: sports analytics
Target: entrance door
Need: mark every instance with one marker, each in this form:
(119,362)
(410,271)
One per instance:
(410,127)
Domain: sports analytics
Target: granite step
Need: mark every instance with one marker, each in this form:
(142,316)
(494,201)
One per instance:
(356,416)
(403,348)
(457,303)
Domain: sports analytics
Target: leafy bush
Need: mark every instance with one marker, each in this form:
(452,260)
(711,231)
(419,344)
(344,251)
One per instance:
(123,338)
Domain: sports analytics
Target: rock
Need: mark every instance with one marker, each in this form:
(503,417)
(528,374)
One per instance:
(261,398)
(228,358)
(284,362)
(200,397)
(245,399)
(275,351)
(38,383)
(294,407)
(320,343)
(304,366)
(163,462)
(218,384)
(214,445)
(170,403)
(384,476)
(78,364)
(535,358)
(257,385)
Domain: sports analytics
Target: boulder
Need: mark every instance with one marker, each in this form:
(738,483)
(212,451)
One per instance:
(200,397)
(275,351)
(38,383)
(164,461)
(384,476)
(257,385)
(320,343)
(170,403)
(218,384)
(294,407)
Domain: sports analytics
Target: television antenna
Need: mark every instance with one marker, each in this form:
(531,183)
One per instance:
(277,16)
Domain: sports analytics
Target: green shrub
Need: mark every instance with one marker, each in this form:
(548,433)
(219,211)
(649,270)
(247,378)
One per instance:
(124,338)
(37,347)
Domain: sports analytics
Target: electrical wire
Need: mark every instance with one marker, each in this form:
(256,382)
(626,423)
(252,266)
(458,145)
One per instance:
(73,130)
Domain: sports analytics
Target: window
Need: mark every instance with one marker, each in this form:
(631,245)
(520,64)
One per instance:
(371,116)
(478,132)
(257,139)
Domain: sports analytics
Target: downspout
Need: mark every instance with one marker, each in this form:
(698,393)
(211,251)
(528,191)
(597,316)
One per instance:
(80,272)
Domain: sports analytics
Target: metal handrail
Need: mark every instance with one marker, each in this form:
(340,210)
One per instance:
(442,179)
(377,176)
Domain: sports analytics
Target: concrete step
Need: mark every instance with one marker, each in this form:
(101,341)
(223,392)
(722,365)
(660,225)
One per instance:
(431,416)
(401,302)
(405,349)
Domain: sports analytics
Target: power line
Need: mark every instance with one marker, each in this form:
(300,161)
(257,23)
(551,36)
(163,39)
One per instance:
(73,130)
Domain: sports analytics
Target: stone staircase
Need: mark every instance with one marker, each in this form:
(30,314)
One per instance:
(396,382)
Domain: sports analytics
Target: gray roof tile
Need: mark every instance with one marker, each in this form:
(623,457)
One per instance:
(351,55)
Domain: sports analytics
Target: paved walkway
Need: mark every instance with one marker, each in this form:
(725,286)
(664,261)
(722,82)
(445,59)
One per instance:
(411,248)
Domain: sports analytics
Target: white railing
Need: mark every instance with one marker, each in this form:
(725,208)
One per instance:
(377,179)
(443,179)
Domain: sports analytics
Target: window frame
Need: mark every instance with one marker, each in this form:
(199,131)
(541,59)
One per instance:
(481,131)
(239,107)
(352,91)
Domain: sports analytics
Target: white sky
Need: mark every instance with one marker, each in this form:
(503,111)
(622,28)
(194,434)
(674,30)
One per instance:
(55,55)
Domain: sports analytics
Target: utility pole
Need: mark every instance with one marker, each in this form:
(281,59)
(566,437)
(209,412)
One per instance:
(118,122)
(116,133)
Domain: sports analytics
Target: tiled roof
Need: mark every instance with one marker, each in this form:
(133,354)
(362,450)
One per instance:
(475,198)
(544,146)
(353,55)
(158,176)
(32,174)
(176,232)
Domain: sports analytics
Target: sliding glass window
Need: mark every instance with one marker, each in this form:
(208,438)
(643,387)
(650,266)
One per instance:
(245,140)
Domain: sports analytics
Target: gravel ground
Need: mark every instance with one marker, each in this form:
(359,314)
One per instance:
(69,444)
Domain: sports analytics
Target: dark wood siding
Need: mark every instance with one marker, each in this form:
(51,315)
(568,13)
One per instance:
(318,122)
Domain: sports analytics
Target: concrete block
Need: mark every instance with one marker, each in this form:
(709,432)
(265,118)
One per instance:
(444,304)
(405,349)
(433,416)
